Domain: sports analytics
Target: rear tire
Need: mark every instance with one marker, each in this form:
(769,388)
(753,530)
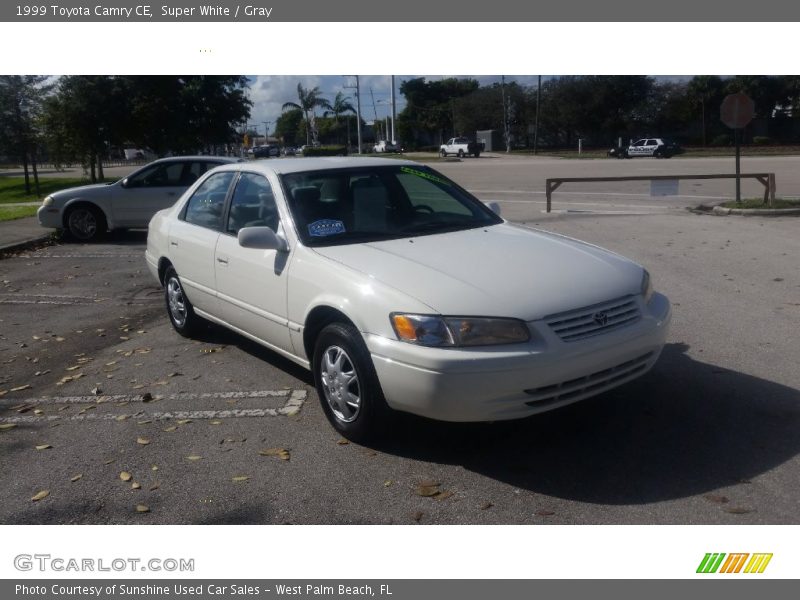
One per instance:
(179,309)
(85,223)
(460,154)
(347,384)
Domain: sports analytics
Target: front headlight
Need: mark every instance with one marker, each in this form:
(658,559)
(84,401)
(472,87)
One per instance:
(432,330)
(647,287)
(47,201)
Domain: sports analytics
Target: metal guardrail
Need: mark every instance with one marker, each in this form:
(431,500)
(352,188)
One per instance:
(767,179)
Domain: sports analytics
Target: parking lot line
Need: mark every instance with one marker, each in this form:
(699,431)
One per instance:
(294,402)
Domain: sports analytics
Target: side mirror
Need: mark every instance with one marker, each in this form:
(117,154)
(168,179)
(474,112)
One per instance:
(494,207)
(261,238)
(124,182)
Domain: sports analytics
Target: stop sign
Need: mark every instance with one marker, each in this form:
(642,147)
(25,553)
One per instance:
(737,110)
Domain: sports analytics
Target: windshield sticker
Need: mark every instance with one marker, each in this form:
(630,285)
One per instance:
(325,227)
(424,175)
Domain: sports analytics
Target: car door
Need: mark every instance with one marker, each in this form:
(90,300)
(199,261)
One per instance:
(637,148)
(650,147)
(144,193)
(251,283)
(193,239)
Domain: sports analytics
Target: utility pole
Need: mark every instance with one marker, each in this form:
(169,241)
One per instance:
(505,113)
(394,112)
(358,115)
(266,131)
(376,123)
(536,122)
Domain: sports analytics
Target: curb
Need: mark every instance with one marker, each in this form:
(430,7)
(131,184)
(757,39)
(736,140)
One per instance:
(18,246)
(721,211)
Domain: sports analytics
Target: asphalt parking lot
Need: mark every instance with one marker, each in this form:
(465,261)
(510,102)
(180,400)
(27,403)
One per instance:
(107,409)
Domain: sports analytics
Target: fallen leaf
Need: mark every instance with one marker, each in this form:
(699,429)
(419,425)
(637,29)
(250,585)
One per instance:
(121,417)
(486,506)
(7,426)
(41,495)
(154,468)
(136,486)
(387,483)
(737,510)
(417,516)
(19,388)
(241,478)
(215,422)
(716,498)
(73,368)
(142,508)
(109,461)
(175,374)
(444,495)
(75,478)
(183,421)
(153,487)
(38,411)
(426,491)
(282,453)
(96,391)
(145,422)
(44,447)
(194,457)
(40,373)
(59,338)
(171,428)
(544,513)
(343,442)
(125,476)
(142,441)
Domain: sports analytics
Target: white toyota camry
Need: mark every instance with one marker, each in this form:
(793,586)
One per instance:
(401,291)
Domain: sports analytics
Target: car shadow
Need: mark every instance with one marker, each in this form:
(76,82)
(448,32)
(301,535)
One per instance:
(221,336)
(685,428)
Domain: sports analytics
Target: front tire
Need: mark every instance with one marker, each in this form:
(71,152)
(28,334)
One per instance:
(443,153)
(179,309)
(86,223)
(348,385)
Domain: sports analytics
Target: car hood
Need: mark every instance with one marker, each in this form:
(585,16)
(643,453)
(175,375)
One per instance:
(502,271)
(86,191)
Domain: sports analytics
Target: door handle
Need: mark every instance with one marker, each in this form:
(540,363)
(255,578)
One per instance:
(221,260)
(173,244)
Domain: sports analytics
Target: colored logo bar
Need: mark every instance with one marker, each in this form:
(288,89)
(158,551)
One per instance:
(736,562)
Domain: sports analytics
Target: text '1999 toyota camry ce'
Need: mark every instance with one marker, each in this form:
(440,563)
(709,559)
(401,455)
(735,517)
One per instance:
(401,291)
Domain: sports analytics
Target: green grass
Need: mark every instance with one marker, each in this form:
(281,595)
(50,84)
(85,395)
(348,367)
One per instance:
(758,203)
(12,189)
(8,213)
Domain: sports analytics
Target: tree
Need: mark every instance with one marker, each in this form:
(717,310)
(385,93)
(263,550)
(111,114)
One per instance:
(429,115)
(705,90)
(309,100)
(287,127)
(21,99)
(341,104)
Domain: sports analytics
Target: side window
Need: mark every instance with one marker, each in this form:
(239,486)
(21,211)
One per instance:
(205,206)
(639,143)
(252,205)
(163,175)
(652,143)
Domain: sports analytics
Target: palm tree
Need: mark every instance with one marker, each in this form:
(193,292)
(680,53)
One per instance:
(309,100)
(341,104)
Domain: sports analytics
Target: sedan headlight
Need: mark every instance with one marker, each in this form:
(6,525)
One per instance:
(432,330)
(647,287)
(47,201)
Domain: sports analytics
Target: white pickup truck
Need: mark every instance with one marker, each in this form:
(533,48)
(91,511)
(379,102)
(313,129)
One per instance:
(461,146)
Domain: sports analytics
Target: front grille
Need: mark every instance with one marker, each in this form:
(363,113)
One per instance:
(594,320)
(594,383)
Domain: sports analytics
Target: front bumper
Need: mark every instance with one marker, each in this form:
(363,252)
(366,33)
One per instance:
(498,383)
(50,217)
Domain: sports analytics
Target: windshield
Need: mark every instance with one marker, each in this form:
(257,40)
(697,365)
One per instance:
(345,206)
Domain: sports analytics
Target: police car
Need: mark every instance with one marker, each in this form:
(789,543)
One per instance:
(655,147)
